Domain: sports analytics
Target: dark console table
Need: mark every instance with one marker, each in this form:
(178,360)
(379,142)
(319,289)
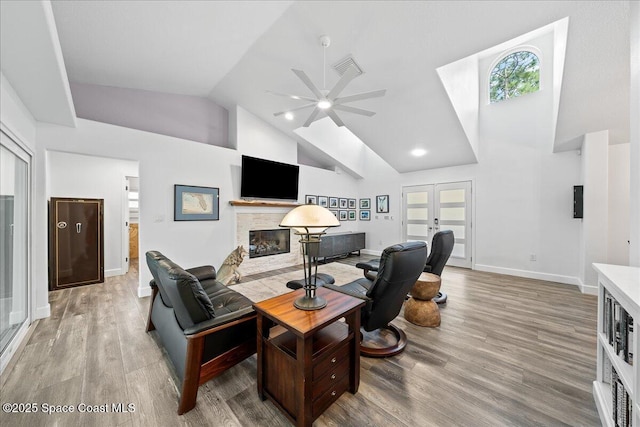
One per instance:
(333,245)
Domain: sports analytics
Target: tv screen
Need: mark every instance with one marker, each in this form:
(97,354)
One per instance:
(267,179)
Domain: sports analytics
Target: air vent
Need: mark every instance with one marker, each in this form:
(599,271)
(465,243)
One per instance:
(342,66)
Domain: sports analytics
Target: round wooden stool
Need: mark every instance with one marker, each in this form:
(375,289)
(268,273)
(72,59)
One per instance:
(420,309)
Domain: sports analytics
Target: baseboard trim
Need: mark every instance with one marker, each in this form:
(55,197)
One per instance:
(42,312)
(588,289)
(568,280)
(16,317)
(370,252)
(113,272)
(144,291)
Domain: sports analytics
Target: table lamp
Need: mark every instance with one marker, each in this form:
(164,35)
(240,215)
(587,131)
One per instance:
(310,222)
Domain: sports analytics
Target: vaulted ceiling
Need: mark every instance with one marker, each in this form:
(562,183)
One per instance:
(233,51)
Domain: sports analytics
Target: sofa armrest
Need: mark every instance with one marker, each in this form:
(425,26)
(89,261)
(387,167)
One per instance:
(203,272)
(220,322)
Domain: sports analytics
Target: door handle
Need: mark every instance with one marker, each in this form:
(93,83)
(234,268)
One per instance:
(78,227)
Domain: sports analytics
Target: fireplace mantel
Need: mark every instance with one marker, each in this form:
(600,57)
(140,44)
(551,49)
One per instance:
(263,204)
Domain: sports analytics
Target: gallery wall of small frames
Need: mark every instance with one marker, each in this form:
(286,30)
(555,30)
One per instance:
(344,209)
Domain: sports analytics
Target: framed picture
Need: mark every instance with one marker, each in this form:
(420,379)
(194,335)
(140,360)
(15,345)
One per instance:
(334,212)
(193,203)
(343,216)
(352,203)
(323,201)
(382,204)
(343,204)
(310,200)
(333,202)
(352,215)
(365,203)
(365,215)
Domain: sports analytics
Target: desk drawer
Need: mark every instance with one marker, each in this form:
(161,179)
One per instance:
(331,360)
(330,378)
(331,395)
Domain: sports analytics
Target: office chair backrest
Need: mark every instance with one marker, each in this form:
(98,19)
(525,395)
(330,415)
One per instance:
(400,267)
(441,248)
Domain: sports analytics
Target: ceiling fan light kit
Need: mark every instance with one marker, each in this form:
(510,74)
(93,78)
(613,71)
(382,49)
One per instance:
(327,102)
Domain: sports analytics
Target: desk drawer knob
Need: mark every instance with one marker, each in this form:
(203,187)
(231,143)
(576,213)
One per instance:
(333,376)
(333,393)
(333,360)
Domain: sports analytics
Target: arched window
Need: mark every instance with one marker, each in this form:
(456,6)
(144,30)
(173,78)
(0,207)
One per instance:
(516,74)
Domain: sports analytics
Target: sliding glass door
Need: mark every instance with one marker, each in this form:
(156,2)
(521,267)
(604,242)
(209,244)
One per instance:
(14,248)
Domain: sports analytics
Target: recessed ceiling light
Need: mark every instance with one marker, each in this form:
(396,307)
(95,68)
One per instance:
(324,104)
(288,116)
(418,152)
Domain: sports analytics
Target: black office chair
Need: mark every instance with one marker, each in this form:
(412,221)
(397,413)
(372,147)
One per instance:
(399,267)
(441,248)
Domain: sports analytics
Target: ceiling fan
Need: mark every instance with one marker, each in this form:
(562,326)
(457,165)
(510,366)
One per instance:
(327,102)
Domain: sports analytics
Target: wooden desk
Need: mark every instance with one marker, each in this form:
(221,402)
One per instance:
(307,359)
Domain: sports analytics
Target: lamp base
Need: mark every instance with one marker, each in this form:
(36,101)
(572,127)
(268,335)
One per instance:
(310,303)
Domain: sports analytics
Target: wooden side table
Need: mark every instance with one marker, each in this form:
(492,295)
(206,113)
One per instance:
(420,309)
(307,359)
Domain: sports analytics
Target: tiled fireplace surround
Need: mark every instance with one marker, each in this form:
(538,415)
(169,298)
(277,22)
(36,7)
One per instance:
(246,221)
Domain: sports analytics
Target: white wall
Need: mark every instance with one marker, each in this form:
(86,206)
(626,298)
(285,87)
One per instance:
(634,134)
(15,116)
(618,189)
(595,175)
(165,161)
(79,176)
(18,122)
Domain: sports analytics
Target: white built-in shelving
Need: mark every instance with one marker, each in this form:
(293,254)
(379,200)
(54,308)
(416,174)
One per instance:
(623,284)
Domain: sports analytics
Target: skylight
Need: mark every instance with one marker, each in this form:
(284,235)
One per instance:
(515,75)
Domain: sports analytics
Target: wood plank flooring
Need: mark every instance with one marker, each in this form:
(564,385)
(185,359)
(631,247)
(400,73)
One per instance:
(509,352)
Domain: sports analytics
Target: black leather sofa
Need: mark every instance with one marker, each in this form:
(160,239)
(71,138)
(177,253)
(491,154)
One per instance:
(204,326)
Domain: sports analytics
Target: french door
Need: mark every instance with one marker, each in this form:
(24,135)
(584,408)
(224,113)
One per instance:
(428,209)
(15,215)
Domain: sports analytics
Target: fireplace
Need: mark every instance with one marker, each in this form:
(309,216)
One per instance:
(268,242)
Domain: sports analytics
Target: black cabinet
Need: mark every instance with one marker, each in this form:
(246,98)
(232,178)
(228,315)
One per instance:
(333,245)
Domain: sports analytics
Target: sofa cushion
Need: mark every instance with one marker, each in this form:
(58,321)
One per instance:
(223,299)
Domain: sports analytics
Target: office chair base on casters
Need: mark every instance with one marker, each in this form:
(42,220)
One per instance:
(383,342)
(441,298)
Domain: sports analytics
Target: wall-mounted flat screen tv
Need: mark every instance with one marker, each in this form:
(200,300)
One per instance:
(266,179)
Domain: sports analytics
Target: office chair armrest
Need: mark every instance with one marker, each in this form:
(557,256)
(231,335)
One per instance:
(349,292)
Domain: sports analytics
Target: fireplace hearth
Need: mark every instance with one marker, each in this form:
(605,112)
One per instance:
(269,242)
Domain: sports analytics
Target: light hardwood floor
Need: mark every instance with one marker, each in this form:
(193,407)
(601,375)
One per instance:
(509,352)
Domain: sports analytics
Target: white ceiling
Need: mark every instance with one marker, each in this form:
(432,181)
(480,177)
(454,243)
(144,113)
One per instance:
(233,51)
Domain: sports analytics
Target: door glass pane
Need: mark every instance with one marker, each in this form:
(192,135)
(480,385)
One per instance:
(458,250)
(13,244)
(417,230)
(452,214)
(417,198)
(452,196)
(417,214)
(458,230)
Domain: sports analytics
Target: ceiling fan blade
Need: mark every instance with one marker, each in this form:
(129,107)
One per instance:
(354,110)
(332,114)
(312,117)
(307,81)
(349,75)
(294,109)
(360,96)
(306,98)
